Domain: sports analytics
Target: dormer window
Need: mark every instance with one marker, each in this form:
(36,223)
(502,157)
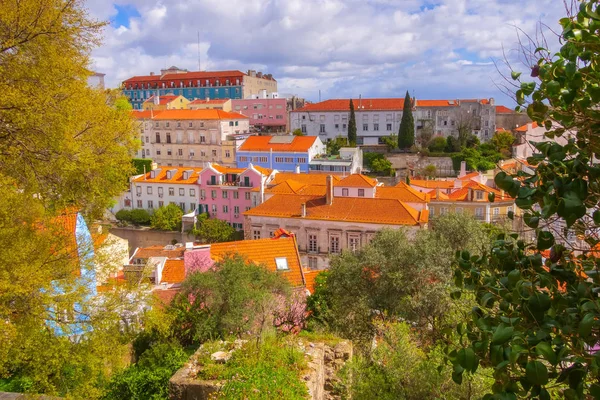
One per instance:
(281,263)
(345,192)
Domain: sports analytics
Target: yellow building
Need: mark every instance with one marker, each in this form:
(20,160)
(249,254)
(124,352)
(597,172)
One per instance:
(210,104)
(166,102)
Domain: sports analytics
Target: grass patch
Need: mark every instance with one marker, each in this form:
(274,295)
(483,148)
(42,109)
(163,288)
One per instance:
(268,370)
(320,337)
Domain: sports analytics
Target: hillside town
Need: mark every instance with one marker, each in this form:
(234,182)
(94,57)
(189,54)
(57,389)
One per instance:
(276,226)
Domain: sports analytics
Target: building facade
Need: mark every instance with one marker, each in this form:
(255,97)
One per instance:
(208,104)
(191,137)
(267,112)
(379,118)
(197,85)
(348,161)
(283,153)
(167,102)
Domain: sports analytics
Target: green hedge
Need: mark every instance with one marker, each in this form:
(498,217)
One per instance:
(140,163)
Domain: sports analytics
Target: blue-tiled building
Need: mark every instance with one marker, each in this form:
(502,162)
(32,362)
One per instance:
(283,153)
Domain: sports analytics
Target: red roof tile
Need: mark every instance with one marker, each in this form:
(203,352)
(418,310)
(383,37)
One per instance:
(266,143)
(209,101)
(504,110)
(174,271)
(359,104)
(176,176)
(523,128)
(163,100)
(437,103)
(402,192)
(186,75)
(197,114)
(357,180)
(158,251)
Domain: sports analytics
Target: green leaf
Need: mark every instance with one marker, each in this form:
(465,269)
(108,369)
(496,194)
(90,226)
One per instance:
(457,377)
(491,197)
(545,240)
(531,220)
(553,88)
(586,324)
(596,217)
(515,75)
(544,349)
(502,334)
(536,373)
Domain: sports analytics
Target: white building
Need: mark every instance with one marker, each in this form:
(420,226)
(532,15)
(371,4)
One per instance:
(349,161)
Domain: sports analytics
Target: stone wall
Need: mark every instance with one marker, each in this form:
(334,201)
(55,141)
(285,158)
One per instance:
(144,237)
(405,162)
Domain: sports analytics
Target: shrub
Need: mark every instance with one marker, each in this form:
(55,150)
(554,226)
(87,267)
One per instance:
(140,216)
(141,165)
(167,218)
(123,215)
(437,144)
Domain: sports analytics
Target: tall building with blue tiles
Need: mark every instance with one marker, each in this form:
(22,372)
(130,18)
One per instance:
(197,85)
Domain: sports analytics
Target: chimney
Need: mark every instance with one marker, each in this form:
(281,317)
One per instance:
(502,195)
(262,189)
(151,73)
(463,169)
(492,101)
(303,210)
(329,193)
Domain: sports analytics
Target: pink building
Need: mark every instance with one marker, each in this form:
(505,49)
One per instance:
(267,113)
(225,193)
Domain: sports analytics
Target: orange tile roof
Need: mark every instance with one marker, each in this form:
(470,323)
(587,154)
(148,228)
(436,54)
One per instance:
(209,101)
(164,296)
(364,104)
(163,100)
(357,180)
(174,271)
(262,143)
(402,192)
(185,75)
(158,251)
(177,177)
(462,194)
(227,170)
(310,276)
(264,252)
(504,110)
(344,209)
(523,128)
(145,114)
(437,103)
(197,115)
(469,176)
(307,179)
(434,195)
(432,184)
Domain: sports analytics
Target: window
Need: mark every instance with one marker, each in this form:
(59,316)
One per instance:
(157,137)
(496,211)
(213,194)
(202,139)
(192,192)
(344,126)
(161,203)
(334,244)
(168,137)
(236,195)
(225,209)
(302,159)
(353,243)
(255,234)
(192,153)
(344,192)
(236,209)
(158,152)
(191,124)
(303,128)
(312,263)
(375,127)
(361,192)
(149,190)
(192,206)
(179,152)
(171,191)
(263,159)
(140,204)
(509,209)
(337,126)
(168,152)
(224,194)
(443,210)
(227,154)
(322,128)
(181,191)
(147,139)
(281,263)
(289,159)
(479,213)
(312,244)
(479,195)
(160,191)
(365,127)
(389,127)
(247,195)
(279,159)
(214,208)
(458,210)
(150,204)
(214,153)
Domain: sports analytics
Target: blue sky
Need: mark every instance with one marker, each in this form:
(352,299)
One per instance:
(375,48)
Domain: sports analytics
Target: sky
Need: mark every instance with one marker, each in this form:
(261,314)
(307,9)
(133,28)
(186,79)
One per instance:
(444,49)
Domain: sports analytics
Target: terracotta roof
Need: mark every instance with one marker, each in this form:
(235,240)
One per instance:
(158,251)
(227,170)
(145,114)
(309,276)
(357,180)
(523,128)
(265,143)
(365,104)
(432,184)
(469,176)
(209,101)
(345,209)
(163,100)
(264,252)
(462,194)
(197,114)
(176,177)
(402,192)
(164,296)
(434,195)
(437,103)
(185,75)
(504,110)
(307,179)
(174,271)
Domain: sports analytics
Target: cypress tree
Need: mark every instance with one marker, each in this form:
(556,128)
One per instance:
(352,126)
(406,135)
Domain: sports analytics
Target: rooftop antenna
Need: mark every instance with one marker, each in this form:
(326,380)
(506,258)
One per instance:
(359,100)
(199,60)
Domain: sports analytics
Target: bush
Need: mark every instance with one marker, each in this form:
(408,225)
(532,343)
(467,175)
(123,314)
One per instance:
(212,230)
(141,165)
(437,144)
(167,218)
(140,216)
(123,215)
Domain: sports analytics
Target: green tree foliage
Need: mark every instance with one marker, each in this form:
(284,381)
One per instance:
(401,368)
(213,230)
(167,218)
(452,145)
(64,144)
(391,141)
(123,215)
(377,163)
(437,144)
(352,126)
(298,132)
(537,319)
(233,298)
(426,132)
(149,378)
(141,165)
(334,146)
(430,171)
(406,134)
(140,216)
(502,142)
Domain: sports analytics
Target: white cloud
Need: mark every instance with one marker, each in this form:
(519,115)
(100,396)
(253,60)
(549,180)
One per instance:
(342,47)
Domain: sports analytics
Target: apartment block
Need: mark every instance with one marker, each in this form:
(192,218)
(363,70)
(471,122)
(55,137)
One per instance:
(267,112)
